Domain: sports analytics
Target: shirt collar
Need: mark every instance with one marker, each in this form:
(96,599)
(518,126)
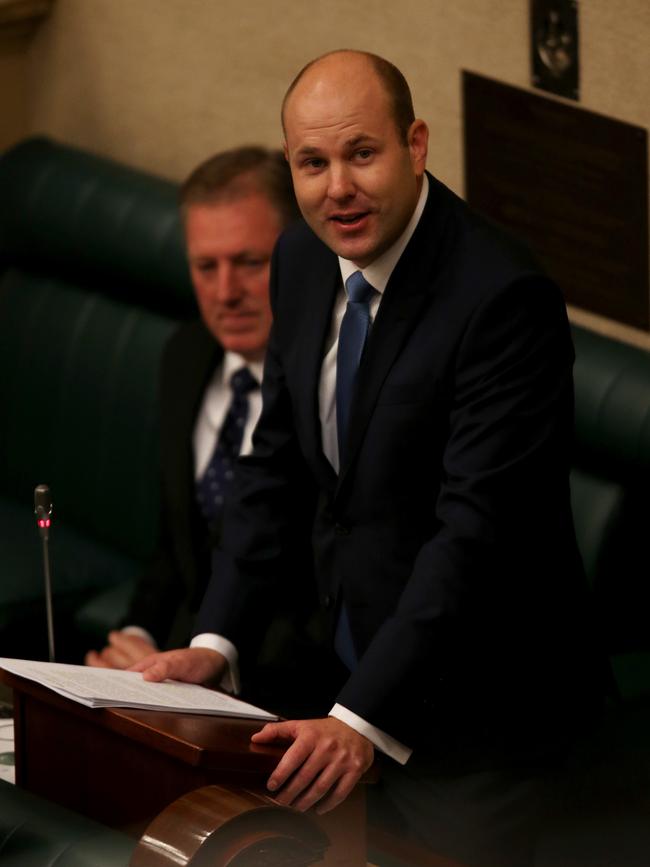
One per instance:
(378,272)
(232,362)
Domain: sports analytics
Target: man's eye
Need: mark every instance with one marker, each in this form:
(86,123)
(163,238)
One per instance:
(364,154)
(314,163)
(206,266)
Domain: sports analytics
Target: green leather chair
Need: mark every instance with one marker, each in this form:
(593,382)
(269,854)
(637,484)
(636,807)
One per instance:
(610,488)
(38,833)
(93,280)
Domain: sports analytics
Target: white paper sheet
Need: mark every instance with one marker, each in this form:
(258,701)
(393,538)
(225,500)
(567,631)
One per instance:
(102,687)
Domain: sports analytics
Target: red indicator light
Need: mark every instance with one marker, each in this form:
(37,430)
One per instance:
(44,522)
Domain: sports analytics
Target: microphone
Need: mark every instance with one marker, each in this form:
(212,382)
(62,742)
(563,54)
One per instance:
(43,512)
(43,509)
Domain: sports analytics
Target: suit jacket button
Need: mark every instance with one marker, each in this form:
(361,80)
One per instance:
(328,600)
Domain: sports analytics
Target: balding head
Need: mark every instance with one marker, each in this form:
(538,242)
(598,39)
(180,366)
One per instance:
(357,173)
(345,62)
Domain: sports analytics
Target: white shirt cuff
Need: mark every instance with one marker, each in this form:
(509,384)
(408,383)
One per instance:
(141,633)
(384,743)
(230,681)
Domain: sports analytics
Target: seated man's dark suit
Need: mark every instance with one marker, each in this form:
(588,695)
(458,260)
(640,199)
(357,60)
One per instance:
(170,590)
(447,533)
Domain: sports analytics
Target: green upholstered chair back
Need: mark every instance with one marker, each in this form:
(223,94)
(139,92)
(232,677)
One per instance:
(78,387)
(95,223)
(612,382)
(610,494)
(93,279)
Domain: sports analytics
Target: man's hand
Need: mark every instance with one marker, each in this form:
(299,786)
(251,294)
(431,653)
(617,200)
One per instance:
(122,651)
(322,765)
(191,665)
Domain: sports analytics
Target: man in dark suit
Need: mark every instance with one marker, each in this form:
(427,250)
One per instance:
(431,412)
(234,206)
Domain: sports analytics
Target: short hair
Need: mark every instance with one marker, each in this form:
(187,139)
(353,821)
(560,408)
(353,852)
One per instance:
(390,76)
(236,173)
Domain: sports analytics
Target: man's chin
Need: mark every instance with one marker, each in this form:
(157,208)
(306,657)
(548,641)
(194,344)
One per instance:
(360,249)
(250,349)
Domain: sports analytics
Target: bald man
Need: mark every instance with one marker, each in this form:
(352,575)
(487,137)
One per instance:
(419,375)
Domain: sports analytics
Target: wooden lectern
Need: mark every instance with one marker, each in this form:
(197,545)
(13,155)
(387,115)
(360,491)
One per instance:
(190,787)
(139,771)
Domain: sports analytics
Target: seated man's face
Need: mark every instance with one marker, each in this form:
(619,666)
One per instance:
(229,246)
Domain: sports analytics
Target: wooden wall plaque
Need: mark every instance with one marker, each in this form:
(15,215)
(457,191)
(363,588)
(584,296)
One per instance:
(571,183)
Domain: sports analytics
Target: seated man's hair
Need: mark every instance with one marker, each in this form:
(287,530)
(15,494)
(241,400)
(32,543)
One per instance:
(236,173)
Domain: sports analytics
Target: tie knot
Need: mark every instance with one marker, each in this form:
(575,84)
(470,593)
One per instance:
(242,381)
(358,289)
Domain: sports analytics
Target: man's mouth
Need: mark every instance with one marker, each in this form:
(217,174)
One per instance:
(351,220)
(236,320)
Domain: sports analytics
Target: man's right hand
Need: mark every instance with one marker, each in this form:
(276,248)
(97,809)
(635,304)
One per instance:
(123,649)
(191,665)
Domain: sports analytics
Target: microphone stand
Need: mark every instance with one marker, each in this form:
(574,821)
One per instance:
(43,512)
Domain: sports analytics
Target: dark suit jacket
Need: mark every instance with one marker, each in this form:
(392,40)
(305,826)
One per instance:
(448,531)
(171,588)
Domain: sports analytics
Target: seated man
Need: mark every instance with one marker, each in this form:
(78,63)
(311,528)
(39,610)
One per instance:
(234,206)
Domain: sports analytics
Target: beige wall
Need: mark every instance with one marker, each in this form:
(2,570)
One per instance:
(161,83)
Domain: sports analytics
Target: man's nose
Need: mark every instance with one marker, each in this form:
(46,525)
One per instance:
(340,182)
(227,286)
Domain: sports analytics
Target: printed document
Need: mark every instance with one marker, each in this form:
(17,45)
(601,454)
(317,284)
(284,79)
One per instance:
(106,687)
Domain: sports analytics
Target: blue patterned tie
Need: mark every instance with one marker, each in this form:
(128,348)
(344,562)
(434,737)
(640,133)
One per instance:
(213,485)
(352,339)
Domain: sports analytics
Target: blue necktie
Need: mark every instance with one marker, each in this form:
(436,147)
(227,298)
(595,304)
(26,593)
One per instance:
(213,485)
(352,339)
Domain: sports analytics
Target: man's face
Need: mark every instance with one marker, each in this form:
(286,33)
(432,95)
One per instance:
(356,182)
(229,246)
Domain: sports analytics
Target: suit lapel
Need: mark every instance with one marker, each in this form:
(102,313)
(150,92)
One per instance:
(194,368)
(408,292)
(320,290)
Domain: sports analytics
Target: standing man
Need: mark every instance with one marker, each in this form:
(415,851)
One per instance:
(234,207)
(420,376)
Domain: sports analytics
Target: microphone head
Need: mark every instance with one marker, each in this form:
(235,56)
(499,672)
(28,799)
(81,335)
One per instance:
(42,502)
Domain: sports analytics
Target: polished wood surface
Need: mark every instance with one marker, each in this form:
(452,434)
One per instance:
(215,825)
(199,740)
(221,826)
(123,766)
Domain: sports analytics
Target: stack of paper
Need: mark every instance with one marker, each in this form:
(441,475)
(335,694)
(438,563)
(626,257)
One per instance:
(103,687)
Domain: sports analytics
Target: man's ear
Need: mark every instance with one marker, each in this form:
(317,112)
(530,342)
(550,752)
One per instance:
(285,150)
(418,142)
